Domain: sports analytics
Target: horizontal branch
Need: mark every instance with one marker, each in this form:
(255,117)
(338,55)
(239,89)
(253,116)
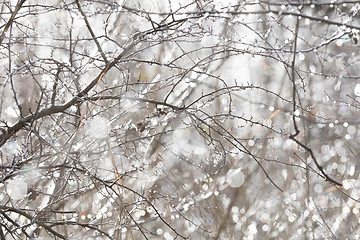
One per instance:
(107,97)
(213,13)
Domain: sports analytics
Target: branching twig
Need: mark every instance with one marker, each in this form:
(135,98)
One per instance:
(61,108)
(91,32)
(297,131)
(11,20)
(31,218)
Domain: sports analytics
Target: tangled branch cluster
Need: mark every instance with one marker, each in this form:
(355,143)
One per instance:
(173,119)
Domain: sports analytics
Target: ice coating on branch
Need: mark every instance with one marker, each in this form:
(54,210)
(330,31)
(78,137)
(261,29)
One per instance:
(357,90)
(99,128)
(17,189)
(235,178)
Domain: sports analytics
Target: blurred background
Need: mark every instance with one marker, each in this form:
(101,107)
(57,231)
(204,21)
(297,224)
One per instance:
(177,119)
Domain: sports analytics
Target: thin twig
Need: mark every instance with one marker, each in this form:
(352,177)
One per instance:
(11,20)
(91,32)
(297,131)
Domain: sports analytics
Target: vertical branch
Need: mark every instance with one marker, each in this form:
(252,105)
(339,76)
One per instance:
(11,75)
(53,96)
(297,131)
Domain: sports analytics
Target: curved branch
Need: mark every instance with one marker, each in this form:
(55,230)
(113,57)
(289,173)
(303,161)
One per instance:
(61,108)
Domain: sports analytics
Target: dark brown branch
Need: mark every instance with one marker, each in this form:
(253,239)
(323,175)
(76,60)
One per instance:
(91,32)
(61,108)
(31,218)
(11,20)
(236,143)
(297,131)
(107,97)
(14,223)
(85,225)
(216,14)
(324,174)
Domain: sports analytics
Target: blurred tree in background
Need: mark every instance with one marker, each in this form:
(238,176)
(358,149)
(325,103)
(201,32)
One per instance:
(169,119)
